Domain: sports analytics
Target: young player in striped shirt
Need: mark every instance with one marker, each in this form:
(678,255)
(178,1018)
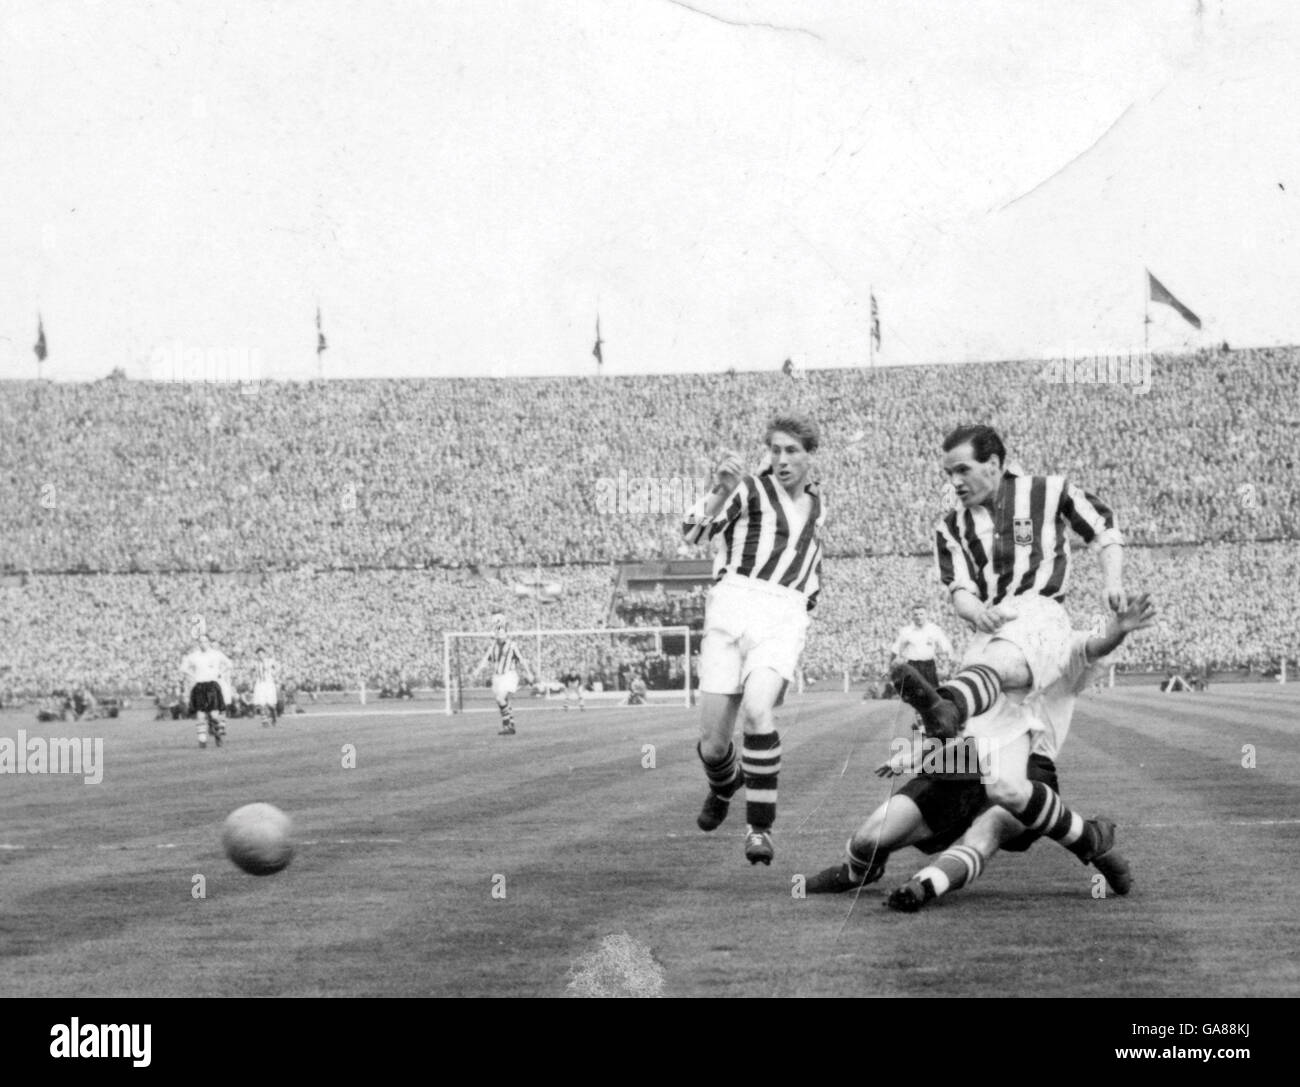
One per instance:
(767,529)
(506,661)
(1005,558)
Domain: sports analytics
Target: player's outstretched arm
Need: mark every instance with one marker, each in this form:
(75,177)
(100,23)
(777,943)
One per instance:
(1138,614)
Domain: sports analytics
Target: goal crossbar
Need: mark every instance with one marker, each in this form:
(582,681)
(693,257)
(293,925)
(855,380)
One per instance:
(450,636)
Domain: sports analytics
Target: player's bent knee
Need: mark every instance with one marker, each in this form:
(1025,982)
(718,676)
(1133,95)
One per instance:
(1013,794)
(1008,660)
(714,748)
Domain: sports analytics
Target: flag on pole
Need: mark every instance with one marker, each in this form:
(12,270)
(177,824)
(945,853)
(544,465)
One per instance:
(1160,293)
(875,322)
(600,359)
(40,349)
(321,345)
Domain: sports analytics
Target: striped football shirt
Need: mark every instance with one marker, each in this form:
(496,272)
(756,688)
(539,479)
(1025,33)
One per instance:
(504,657)
(264,671)
(763,535)
(1019,546)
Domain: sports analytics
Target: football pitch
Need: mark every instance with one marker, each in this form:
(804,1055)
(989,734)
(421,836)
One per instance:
(450,861)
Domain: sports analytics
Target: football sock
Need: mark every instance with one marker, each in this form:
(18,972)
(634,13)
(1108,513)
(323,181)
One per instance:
(955,867)
(724,776)
(973,689)
(761,761)
(863,858)
(1046,814)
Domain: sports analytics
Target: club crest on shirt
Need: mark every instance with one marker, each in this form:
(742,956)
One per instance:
(1024,531)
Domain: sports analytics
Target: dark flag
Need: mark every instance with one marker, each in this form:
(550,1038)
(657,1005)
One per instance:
(600,359)
(875,322)
(40,349)
(321,345)
(1160,293)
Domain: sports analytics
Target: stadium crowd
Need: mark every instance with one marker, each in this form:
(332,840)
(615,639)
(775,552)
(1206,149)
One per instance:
(345,629)
(348,524)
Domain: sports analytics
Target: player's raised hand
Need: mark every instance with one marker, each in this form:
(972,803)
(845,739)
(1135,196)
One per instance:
(1116,598)
(729,470)
(1137,614)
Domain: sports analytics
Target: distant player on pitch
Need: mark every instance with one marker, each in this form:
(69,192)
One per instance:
(920,643)
(266,672)
(572,680)
(507,662)
(755,619)
(202,670)
(1005,559)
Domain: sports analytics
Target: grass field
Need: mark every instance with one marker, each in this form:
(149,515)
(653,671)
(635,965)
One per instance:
(391,892)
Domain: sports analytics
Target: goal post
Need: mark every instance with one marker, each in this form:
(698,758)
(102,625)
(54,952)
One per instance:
(607,656)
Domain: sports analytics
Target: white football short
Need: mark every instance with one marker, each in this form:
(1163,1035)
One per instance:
(750,624)
(504,685)
(1041,631)
(264,693)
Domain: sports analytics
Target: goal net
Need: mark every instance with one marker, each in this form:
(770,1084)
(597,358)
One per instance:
(613,664)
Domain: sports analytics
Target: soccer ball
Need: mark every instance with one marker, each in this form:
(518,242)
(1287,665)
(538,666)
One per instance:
(258,838)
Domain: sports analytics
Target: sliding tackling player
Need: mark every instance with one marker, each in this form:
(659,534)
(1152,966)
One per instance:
(934,810)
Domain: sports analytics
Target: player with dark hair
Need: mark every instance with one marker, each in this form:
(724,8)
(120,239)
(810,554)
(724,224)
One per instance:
(1004,557)
(766,568)
(934,810)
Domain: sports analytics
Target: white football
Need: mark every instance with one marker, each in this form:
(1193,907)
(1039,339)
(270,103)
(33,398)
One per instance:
(258,838)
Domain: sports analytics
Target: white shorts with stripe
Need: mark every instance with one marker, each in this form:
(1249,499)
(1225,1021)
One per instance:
(264,693)
(750,624)
(1041,631)
(504,685)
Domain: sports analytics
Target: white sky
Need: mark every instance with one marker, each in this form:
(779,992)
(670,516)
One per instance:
(464,186)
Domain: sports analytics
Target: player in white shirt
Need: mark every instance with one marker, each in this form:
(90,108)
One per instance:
(203,669)
(952,814)
(266,670)
(919,643)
